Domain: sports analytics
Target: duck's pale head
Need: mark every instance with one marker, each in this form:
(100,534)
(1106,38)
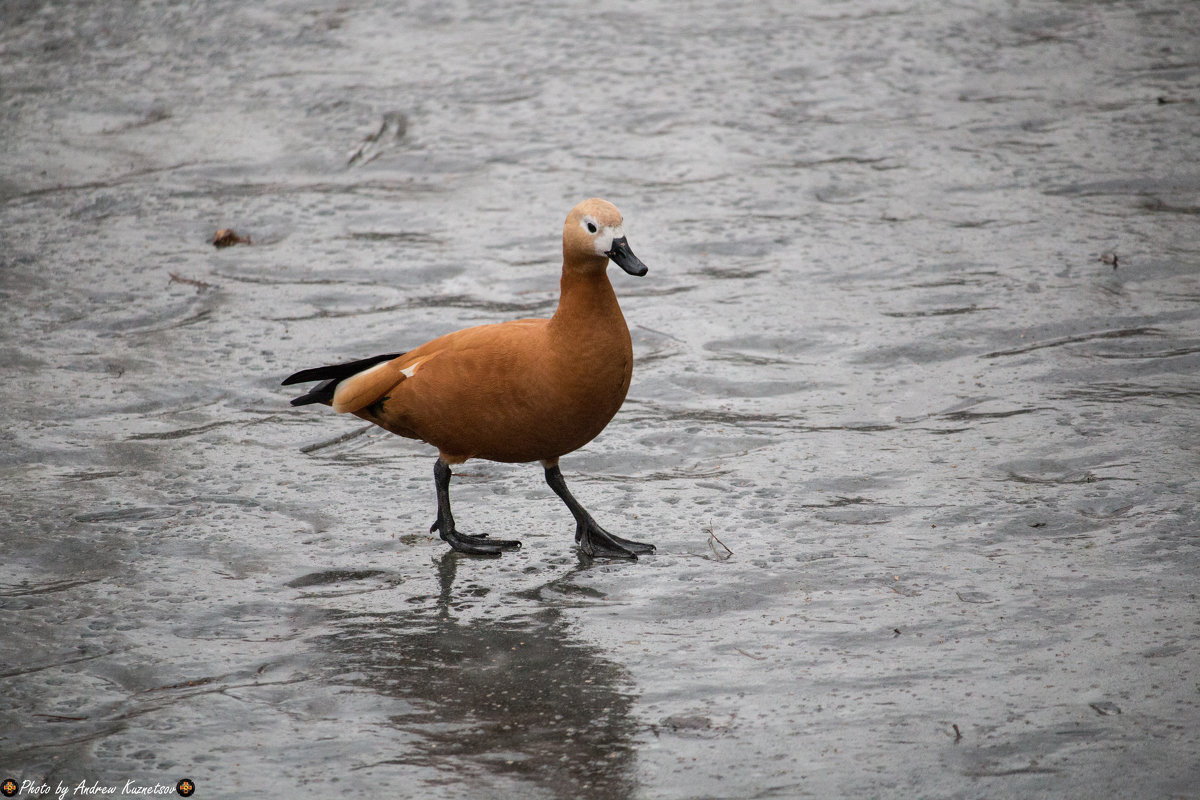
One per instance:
(593,234)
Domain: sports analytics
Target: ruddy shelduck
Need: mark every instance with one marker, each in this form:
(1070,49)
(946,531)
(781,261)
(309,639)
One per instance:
(519,391)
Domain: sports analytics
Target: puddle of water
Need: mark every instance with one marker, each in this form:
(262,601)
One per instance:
(912,420)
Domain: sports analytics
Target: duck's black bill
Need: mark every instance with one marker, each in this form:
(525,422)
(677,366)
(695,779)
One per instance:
(624,258)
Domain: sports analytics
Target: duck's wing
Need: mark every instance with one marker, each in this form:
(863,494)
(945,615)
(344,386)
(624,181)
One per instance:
(331,376)
(462,357)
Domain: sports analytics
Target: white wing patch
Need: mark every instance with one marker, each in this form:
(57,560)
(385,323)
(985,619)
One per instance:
(369,370)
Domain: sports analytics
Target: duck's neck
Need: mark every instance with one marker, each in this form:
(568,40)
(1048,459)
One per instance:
(587,298)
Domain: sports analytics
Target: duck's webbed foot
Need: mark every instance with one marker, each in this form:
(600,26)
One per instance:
(596,542)
(593,540)
(478,545)
(475,545)
(637,548)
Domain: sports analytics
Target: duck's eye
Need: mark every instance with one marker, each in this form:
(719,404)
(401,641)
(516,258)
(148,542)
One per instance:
(591,227)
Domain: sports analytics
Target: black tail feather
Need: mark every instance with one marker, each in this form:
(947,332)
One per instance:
(331,375)
(321,393)
(337,372)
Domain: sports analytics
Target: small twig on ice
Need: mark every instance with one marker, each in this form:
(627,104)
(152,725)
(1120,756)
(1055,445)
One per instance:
(202,285)
(712,537)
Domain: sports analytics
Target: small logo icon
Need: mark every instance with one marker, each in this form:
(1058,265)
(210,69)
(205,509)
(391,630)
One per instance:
(185,787)
(9,787)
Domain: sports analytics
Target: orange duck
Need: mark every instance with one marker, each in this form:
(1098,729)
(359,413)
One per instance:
(525,390)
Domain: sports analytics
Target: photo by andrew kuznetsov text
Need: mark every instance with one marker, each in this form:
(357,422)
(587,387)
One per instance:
(128,788)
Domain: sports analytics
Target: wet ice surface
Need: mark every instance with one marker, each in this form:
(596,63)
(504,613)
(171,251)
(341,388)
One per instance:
(883,355)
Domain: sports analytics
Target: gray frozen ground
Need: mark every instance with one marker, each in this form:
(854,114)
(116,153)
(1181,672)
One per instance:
(884,354)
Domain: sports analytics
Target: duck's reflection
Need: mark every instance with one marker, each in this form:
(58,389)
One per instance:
(517,697)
